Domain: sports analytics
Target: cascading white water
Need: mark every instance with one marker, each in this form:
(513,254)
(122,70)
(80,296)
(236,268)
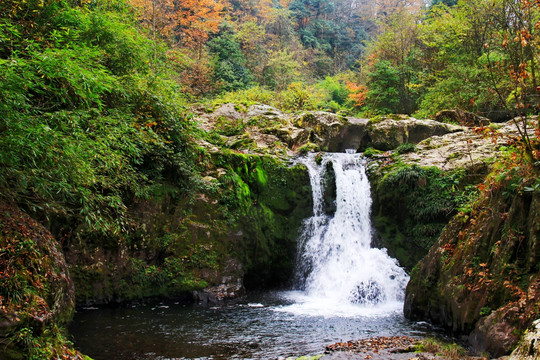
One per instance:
(336,262)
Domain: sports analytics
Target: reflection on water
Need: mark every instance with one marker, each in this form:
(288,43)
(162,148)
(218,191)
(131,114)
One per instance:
(263,326)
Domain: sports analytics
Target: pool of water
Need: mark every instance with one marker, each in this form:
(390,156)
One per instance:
(260,326)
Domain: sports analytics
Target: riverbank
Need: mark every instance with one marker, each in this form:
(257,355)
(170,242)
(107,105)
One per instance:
(394,348)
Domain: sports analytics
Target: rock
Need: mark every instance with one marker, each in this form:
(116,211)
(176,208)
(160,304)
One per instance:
(228,111)
(323,128)
(329,131)
(207,122)
(263,110)
(31,259)
(529,346)
(499,332)
(352,136)
(462,117)
(230,286)
(467,149)
(388,134)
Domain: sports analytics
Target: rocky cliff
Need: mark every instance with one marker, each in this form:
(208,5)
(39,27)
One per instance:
(481,279)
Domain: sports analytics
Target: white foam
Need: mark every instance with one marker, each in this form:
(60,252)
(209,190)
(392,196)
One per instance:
(306,305)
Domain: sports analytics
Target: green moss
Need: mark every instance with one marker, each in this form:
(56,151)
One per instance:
(269,215)
(262,177)
(370,152)
(406,148)
(304,149)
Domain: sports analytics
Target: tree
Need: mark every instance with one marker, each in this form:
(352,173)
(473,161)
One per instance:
(384,88)
(229,63)
(281,70)
(157,15)
(196,19)
(395,63)
(188,22)
(445,2)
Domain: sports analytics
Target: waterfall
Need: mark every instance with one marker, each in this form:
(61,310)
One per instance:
(335,259)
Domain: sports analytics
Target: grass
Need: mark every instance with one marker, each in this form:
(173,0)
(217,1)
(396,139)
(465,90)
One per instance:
(450,351)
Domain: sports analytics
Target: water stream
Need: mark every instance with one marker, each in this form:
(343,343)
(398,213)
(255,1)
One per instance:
(344,290)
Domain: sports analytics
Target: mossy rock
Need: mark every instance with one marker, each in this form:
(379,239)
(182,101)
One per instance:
(37,294)
(269,200)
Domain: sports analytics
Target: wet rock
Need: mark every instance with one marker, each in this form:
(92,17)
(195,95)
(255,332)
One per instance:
(230,287)
(220,293)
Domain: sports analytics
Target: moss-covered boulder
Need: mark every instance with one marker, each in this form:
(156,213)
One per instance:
(482,277)
(329,131)
(36,295)
(461,117)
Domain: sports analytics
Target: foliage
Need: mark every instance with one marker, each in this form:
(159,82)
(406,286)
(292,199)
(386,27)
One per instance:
(384,88)
(36,297)
(229,69)
(280,70)
(357,94)
(85,129)
(427,198)
(189,21)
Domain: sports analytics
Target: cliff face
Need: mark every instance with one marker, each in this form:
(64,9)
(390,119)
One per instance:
(481,279)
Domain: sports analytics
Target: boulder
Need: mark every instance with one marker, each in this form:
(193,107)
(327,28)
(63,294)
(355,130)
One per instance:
(31,259)
(461,117)
(263,110)
(229,287)
(228,111)
(388,134)
(329,131)
(468,149)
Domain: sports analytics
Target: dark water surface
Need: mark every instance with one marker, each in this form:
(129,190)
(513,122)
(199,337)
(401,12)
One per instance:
(263,326)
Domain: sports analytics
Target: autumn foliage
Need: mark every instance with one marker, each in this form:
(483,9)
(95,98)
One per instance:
(187,22)
(357,93)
